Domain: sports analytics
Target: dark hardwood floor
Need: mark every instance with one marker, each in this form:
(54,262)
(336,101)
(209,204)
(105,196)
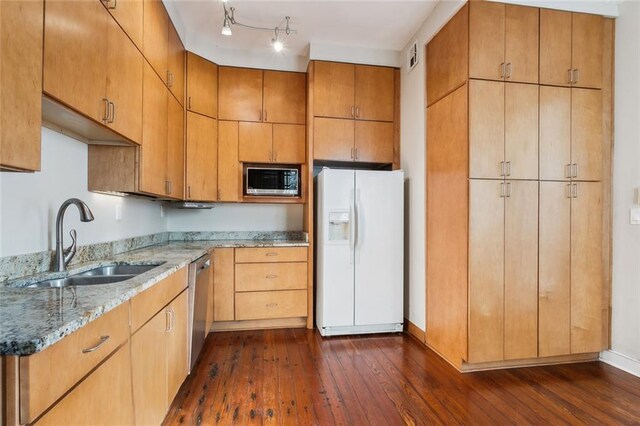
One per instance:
(295,376)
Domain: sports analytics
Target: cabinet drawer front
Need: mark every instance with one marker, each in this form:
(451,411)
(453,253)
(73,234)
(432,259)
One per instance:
(147,304)
(47,375)
(271,254)
(271,304)
(271,276)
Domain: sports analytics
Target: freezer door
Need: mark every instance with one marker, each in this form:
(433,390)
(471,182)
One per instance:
(335,261)
(379,248)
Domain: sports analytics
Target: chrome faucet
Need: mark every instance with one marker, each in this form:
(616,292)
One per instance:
(64,256)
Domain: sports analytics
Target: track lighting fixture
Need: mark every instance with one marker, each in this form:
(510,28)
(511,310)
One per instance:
(229,19)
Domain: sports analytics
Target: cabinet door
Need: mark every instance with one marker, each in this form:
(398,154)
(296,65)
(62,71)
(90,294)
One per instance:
(153,152)
(521,43)
(175,147)
(75,61)
(229,180)
(255,142)
(21,25)
(155,36)
(289,143)
(103,398)
(202,158)
(486,129)
(586,49)
(285,96)
(521,131)
(125,67)
(375,93)
(333,139)
(586,268)
(555,132)
(555,47)
(223,284)
(586,133)
(149,371)
(178,362)
(240,94)
(521,270)
(374,142)
(486,271)
(202,85)
(175,64)
(486,40)
(333,89)
(554,288)
(129,14)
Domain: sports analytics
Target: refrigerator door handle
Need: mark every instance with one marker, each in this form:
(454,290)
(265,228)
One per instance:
(352,231)
(356,224)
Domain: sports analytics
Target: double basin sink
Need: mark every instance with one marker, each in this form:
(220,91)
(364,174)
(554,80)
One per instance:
(102,275)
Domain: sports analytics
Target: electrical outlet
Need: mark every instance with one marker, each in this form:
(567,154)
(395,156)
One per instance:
(118,212)
(161,210)
(634,215)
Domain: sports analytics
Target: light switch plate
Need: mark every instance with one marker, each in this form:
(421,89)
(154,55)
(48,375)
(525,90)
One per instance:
(634,215)
(118,212)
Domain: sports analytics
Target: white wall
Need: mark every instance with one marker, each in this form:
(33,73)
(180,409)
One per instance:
(238,217)
(29,203)
(625,333)
(413,161)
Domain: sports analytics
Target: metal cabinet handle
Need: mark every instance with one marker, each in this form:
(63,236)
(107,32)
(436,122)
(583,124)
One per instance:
(265,115)
(574,190)
(357,112)
(271,305)
(502,191)
(567,190)
(502,168)
(508,168)
(219,196)
(275,156)
(112,114)
(353,111)
(189,191)
(574,168)
(271,276)
(508,189)
(103,340)
(260,116)
(570,76)
(170,320)
(271,253)
(356,153)
(576,76)
(189,102)
(167,187)
(352,155)
(567,170)
(105,118)
(503,69)
(508,69)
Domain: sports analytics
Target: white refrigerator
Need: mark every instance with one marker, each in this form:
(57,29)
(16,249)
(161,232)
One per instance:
(360,249)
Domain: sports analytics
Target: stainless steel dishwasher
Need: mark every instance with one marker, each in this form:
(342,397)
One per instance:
(199,276)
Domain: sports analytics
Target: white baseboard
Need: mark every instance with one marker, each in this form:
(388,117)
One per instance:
(621,361)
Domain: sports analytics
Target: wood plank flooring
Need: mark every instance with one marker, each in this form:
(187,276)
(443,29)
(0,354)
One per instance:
(294,376)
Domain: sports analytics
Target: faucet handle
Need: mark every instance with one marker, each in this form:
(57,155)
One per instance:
(70,251)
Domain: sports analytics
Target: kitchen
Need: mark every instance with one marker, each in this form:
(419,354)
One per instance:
(29,201)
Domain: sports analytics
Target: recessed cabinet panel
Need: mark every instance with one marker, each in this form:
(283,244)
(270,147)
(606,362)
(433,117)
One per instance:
(333,139)
(255,142)
(334,90)
(284,97)
(486,40)
(289,143)
(374,93)
(75,62)
(486,271)
(521,131)
(486,129)
(240,94)
(555,133)
(202,158)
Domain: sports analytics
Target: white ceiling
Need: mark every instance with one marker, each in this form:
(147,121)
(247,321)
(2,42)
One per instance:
(385,25)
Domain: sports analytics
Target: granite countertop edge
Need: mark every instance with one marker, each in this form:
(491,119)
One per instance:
(37,337)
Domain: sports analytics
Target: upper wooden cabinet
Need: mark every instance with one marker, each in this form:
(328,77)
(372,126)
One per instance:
(229,167)
(503,42)
(95,75)
(349,140)
(239,94)
(361,92)
(176,62)
(571,49)
(284,97)
(156,36)
(261,96)
(130,15)
(202,86)
(271,143)
(503,130)
(21,24)
(175,148)
(202,158)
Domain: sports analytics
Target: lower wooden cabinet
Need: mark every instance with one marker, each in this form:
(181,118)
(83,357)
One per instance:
(103,398)
(266,283)
(178,361)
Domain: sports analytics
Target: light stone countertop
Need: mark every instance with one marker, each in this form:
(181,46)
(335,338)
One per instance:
(31,319)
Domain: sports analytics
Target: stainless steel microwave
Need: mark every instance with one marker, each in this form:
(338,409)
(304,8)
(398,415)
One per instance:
(272,181)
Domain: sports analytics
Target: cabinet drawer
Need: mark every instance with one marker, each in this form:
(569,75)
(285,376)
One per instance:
(47,375)
(271,304)
(271,276)
(145,305)
(271,254)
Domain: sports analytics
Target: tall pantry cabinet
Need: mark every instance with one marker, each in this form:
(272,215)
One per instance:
(515,170)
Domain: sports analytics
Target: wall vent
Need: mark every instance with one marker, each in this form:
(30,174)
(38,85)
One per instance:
(412,55)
